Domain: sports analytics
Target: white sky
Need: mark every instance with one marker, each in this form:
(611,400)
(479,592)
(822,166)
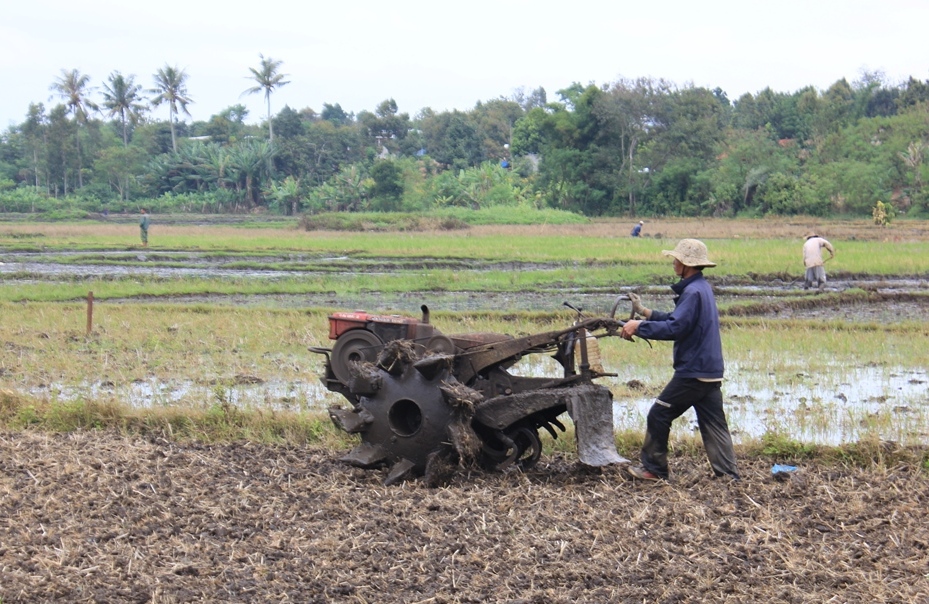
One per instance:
(450,55)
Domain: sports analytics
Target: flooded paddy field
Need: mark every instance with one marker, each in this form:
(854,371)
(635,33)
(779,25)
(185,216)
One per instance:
(904,296)
(167,264)
(845,405)
(840,405)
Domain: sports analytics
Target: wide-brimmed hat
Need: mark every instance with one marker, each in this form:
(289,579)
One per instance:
(641,222)
(690,252)
(810,234)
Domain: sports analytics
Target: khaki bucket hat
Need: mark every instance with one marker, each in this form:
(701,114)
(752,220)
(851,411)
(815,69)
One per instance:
(690,252)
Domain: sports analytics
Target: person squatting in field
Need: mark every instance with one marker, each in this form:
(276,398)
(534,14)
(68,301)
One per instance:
(693,325)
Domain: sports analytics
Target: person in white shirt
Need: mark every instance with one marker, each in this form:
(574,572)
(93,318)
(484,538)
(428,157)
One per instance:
(813,260)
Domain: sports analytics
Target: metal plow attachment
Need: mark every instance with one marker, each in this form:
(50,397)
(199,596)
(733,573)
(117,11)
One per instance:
(591,409)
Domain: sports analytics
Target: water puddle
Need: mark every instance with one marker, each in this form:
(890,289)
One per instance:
(846,406)
(172,264)
(843,406)
(276,395)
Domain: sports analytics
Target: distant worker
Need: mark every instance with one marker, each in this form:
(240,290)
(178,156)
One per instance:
(813,260)
(693,325)
(143,228)
(637,229)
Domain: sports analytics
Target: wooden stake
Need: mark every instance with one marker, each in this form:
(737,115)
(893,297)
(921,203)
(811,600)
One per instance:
(90,312)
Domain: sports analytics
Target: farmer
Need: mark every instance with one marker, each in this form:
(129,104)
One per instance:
(813,260)
(637,229)
(698,366)
(143,228)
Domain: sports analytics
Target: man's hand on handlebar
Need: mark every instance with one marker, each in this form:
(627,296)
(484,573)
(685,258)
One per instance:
(637,307)
(630,329)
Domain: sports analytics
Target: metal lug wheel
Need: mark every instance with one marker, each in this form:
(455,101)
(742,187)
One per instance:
(530,447)
(520,446)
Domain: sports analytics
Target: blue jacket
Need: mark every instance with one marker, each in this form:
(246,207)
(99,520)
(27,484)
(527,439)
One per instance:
(694,327)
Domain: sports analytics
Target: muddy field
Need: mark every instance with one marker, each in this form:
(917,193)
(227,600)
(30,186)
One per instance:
(104,518)
(101,517)
(906,292)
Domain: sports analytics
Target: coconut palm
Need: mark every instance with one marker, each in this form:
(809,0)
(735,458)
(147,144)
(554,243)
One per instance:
(267,79)
(171,88)
(73,87)
(122,96)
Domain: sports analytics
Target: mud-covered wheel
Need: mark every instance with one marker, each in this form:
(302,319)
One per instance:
(352,347)
(529,447)
(520,446)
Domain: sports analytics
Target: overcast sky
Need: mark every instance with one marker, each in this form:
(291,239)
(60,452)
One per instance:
(450,55)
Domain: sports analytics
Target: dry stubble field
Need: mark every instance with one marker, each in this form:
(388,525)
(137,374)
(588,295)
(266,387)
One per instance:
(101,517)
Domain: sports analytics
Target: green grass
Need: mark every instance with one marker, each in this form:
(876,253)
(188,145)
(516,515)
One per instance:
(217,423)
(201,342)
(593,276)
(223,423)
(820,345)
(600,252)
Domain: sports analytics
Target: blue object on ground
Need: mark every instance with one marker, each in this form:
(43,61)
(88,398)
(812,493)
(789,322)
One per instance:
(782,469)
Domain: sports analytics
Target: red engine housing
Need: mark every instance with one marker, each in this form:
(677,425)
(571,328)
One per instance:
(387,327)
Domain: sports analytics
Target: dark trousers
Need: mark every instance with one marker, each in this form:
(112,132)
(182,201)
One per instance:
(707,400)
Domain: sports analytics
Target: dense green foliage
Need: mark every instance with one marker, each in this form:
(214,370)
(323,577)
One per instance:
(643,147)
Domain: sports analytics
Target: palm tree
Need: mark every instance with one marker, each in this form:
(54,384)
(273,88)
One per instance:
(121,97)
(249,163)
(73,87)
(171,88)
(267,79)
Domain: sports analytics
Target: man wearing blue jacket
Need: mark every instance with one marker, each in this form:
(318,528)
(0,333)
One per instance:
(693,325)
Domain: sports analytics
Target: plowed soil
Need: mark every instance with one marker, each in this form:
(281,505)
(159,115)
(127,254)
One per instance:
(106,518)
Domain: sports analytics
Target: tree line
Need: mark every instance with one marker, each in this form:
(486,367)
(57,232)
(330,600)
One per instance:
(630,147)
